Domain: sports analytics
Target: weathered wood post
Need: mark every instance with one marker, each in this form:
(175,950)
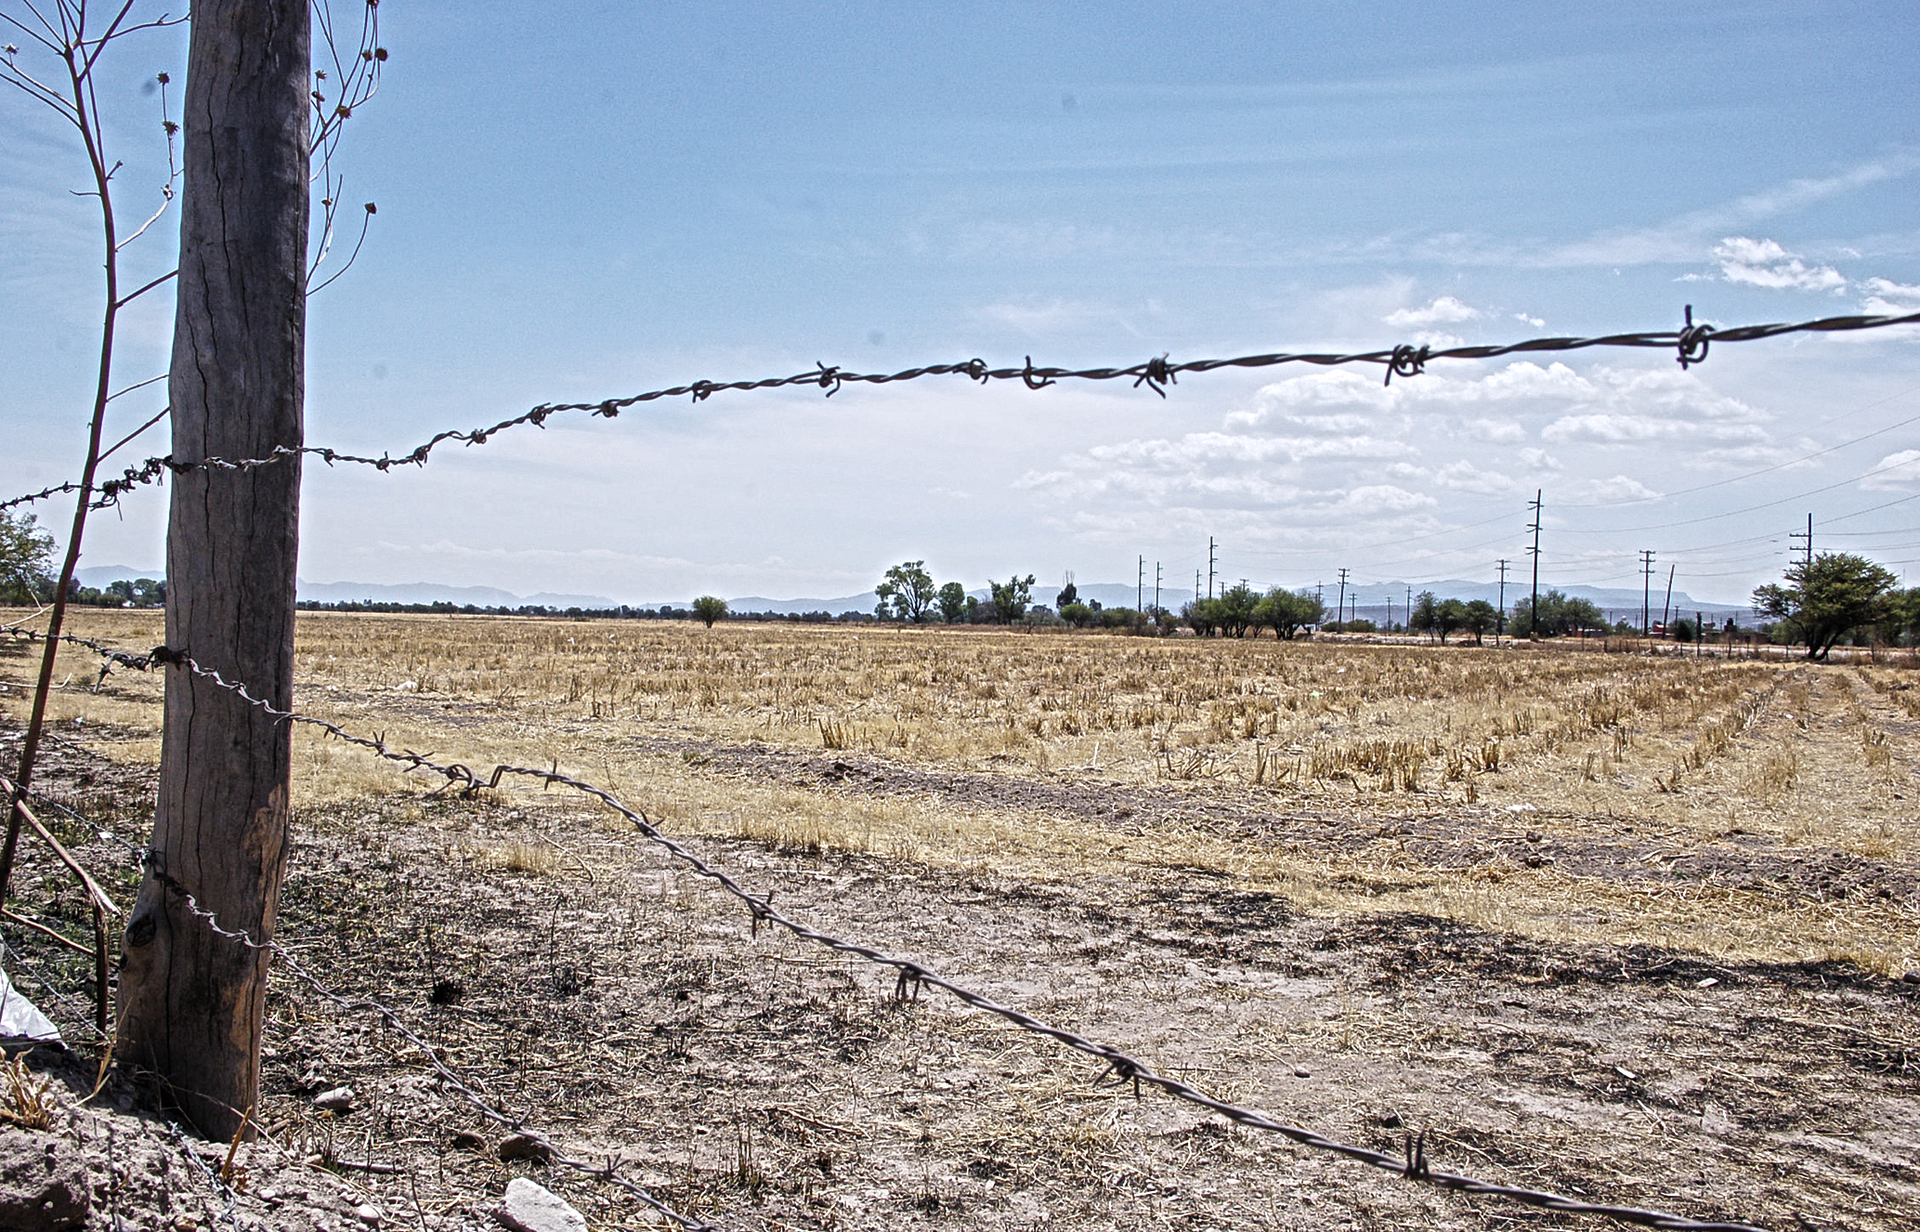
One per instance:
(191,1002)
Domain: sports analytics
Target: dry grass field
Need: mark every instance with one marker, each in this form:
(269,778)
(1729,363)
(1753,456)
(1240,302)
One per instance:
(1629,926)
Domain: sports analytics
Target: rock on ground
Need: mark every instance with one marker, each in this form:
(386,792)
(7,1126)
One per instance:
(530,1207)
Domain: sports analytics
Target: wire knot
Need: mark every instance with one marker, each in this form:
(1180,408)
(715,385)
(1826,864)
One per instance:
(606,410)
(1416,1169)
(1027,376)
(1407,361)
(1121,1068)
(1693,341)
(761,909)
(702,390)
(1158,376)
(907,987)
(167,655)
(976,370)
(829,378)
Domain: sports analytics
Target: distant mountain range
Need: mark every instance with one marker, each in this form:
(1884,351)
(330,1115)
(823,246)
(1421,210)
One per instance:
(359,592)
(1369,600)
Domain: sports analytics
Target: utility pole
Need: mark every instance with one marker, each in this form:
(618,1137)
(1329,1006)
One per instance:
(1533,608)
(1341,614)
(1140,584)
(1389,628)
(1500,618)
(1196,586)
(1699,634)
(1808,536)
(1666,605)
(1156,585)
(1211,561)
(1646,591)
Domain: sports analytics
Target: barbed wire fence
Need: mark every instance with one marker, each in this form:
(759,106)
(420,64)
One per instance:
(1691,343)
(911,977)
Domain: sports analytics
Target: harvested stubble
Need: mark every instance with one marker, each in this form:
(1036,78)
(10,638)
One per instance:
(1659,756)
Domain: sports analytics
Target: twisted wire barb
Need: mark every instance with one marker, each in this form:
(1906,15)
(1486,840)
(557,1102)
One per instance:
(911,978)
(1689,343)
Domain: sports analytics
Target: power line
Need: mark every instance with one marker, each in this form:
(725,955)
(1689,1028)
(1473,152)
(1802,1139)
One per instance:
(1785,500)
(1765,470)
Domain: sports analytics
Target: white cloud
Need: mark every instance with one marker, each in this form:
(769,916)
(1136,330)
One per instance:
(1888,298)
(1460,476)
(1613,488)
(1896,470)
(1443,311)
(1040,317)
(1500,431)
(1764,263)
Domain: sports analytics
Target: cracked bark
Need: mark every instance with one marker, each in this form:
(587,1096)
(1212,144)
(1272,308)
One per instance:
(191,1003)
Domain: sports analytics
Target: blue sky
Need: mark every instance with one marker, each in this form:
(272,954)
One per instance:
(579,201)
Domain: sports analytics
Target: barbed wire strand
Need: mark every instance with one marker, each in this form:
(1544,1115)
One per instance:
(910,976)
(1690,343)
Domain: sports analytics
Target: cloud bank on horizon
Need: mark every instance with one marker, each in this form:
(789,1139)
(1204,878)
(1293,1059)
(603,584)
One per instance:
(878,189)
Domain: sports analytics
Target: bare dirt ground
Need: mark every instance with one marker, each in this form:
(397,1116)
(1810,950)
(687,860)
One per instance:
(1529,976)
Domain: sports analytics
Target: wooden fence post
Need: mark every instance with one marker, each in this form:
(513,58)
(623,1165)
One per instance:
(191,1002)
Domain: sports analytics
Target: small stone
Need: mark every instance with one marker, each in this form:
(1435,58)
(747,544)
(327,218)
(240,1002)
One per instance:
(531,1207)
(338,1100)
(524,1146)
(1911,977)
(1533,836)
(368,1214)
(1301,1071)
(466,1140)
(41,1188)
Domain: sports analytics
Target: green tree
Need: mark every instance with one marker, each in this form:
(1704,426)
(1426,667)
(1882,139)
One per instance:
(1479,616)
(1425,617)
(1287,612)
(953,603)
(1559,616)
(906,593)
(1448,616)
(1203,615)
(1079,615)
(1827,598)
(1236,608)
(1011,598)
(1901,626)
(26,559)
(710,608)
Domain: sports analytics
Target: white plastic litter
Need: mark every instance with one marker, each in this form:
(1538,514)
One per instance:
(21,1018)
